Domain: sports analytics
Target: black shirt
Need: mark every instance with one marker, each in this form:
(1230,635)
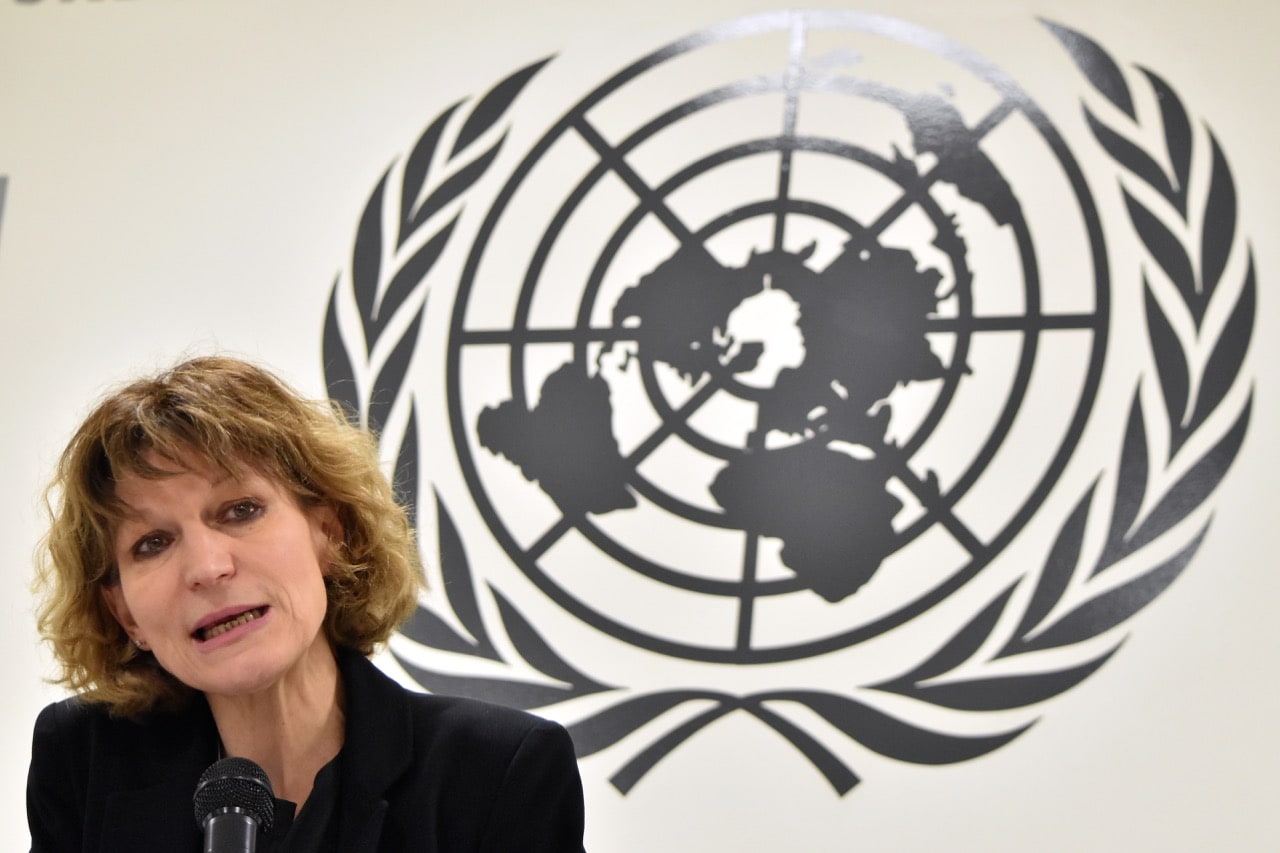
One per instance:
(314,829)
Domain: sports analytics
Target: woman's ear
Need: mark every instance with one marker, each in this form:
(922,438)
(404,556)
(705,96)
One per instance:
(330,535)
(114,597)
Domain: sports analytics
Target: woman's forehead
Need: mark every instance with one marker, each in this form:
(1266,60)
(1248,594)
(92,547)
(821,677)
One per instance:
(155,464)
(141,489)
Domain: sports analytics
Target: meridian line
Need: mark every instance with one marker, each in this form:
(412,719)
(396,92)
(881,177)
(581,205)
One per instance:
(932,503)
(563,525)
(904,201)
(909,197)
(998,114)
(661,434)
(791,85)
(616,163)
(544,543)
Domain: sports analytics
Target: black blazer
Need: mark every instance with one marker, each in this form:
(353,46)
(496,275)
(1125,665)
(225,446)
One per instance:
(419,773)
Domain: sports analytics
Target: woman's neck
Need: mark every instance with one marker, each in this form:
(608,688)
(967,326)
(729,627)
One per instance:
(292,729)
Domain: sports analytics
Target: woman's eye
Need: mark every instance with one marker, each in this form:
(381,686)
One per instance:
(245,510)
(150,545)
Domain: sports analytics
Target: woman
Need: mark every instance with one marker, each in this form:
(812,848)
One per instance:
(223,555)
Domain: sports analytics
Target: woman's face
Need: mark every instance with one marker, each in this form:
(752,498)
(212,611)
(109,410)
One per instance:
(222,577)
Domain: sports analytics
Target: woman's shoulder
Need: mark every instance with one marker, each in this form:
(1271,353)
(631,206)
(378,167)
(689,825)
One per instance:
(509,776)
(74,718)
(450,728)
(436,716)
(84,716)
(67,737)
(80,730)
(458,716)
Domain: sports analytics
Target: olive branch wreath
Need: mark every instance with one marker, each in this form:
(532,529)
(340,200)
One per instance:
(1194,373)
(398,243)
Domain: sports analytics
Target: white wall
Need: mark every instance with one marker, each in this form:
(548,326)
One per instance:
(186,175)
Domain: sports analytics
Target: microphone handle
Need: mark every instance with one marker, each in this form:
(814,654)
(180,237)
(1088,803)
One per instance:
(232,831)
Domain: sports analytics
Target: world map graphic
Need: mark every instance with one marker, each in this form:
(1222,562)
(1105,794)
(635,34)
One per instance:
(860,326)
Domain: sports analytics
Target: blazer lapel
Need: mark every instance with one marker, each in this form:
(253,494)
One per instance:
(377,750)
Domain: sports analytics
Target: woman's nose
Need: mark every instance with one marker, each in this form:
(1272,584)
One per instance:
(207,558)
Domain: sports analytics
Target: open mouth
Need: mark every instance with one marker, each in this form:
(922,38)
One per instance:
(208,632)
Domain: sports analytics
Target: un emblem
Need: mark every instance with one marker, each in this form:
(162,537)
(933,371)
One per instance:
(772,347)
(755,311)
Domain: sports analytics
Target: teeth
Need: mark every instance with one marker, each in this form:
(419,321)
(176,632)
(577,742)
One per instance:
(223,627)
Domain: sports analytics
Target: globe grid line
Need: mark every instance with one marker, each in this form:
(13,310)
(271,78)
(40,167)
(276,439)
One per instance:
(1026,323)
(921,185)
(791,103)
(613,159)
(978,323)
(938,510)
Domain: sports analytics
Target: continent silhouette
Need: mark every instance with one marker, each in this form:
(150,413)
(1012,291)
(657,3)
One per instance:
(565,443)
(830,510)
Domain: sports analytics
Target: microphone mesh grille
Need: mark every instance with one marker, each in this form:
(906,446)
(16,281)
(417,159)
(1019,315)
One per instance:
(235,783)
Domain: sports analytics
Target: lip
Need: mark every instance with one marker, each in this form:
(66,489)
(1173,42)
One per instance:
(233,634)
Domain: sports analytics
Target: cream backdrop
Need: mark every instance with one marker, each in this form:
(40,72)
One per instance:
(186,176)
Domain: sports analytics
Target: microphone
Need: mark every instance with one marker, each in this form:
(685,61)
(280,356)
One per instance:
(233,800)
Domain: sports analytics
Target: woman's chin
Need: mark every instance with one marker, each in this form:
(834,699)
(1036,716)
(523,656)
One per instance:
(242,676)
(256,671)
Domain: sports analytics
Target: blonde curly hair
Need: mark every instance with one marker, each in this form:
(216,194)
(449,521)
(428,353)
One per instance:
(234,415)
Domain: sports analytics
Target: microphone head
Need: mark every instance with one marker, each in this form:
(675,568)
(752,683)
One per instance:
(235,784)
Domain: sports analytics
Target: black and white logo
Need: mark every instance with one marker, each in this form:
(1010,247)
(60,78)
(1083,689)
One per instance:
(786,344)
